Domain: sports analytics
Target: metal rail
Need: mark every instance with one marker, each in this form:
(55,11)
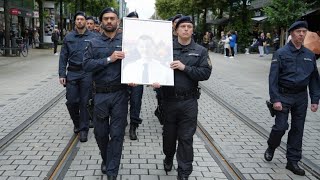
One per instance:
(9,138)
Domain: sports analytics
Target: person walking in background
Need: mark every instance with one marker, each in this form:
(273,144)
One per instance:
(236,43)
(55,40)
(261,44)
(206,40)
(1,36)
(233,39)
(267,44)
(36,38)
(293,71)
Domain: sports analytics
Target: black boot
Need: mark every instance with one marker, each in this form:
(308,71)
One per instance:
(132,132)
(83,136)
(293,166)
(103,168)
(111,177)
(268,155)
(76,129)
(181,177)
(90,123)
(168,163)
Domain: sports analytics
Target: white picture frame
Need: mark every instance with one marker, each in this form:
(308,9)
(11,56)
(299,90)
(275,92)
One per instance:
(148,52)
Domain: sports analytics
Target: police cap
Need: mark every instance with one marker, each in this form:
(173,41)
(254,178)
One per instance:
(79,13)
(107,10)
(297,25)
(133,14)
(184,19)
(89,18)
(176,17)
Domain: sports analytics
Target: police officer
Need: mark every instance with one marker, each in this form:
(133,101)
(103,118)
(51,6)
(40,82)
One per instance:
(135,94)
(293,69)
(180,107)
(90,23)
(77,82)
(103,58)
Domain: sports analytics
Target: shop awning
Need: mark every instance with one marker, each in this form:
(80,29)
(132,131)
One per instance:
(261,18)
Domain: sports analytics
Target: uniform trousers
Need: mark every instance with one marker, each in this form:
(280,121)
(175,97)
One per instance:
(135,94)
(110,117)
(180,125)
(297,104)
(78,93)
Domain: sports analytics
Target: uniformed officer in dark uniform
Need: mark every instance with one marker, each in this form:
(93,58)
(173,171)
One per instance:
(180,107)
(135,94)
(103,58)
(293,69)
(71,75)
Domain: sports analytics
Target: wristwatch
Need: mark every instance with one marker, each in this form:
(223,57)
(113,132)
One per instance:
(109,60)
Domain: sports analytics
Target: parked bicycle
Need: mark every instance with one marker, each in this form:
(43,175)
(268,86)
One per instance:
(21,48)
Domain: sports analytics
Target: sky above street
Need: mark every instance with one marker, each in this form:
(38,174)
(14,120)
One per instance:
(144,8)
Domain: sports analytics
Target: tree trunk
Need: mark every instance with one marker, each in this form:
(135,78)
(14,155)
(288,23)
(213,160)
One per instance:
(41,33)
(7,26)
(61,21)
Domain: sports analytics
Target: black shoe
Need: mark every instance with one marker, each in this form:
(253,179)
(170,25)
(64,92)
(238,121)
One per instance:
(112,177)
(76,130)
(90,123)
(168,163)
(103,168)
(180,177)
(132,132)
(83,136)
(268,155)
(293,166)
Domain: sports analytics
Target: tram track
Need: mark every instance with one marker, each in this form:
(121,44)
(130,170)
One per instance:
(10,137)
(307,164)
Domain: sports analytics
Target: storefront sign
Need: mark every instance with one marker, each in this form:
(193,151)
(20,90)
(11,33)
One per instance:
(15,11)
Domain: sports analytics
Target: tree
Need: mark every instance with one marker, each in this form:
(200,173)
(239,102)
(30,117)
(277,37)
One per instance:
(284,13)
(7,25)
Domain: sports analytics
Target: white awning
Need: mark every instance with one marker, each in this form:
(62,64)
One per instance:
(261,18)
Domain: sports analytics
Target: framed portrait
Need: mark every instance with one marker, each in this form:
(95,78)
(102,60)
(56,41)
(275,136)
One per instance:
(148,52)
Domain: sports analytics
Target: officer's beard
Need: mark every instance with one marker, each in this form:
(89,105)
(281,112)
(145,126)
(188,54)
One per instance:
(107,29)
(80,26)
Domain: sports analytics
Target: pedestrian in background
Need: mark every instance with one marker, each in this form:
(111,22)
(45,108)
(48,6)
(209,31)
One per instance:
(206,40)
(78,83)
(180,107)
(233,39)
(1,36)
(55,40)
(103,57)
(261,44)
(293,70)
(236,43)
(268,43)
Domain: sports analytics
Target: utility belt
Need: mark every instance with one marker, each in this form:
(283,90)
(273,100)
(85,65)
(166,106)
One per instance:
(182,95)
(285,90)
(109,89)
(74,68)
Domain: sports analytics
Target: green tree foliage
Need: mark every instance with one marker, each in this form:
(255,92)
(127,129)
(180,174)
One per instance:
(283,13)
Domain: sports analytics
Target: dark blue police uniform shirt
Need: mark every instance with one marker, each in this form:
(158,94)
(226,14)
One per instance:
(95,60)
(293,69)
(72,52)
(197,66)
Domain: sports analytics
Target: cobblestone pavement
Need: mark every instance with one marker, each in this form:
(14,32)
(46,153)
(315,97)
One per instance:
(242,82)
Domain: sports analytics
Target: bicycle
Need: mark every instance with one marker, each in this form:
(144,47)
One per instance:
(22,47)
